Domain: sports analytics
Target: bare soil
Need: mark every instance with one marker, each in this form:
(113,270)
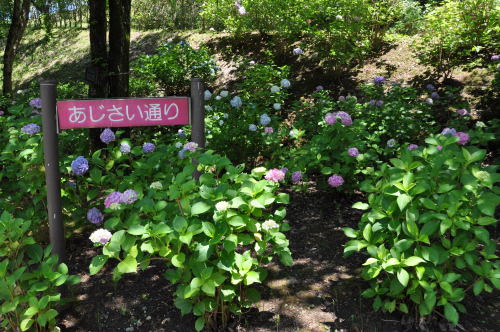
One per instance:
(320,292)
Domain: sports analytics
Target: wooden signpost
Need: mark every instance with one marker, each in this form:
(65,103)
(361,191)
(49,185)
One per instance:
(104,113)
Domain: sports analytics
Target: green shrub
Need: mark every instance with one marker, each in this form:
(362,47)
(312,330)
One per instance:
(426,231)
(29,278)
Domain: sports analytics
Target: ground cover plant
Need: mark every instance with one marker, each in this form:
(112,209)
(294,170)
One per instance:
(321,201)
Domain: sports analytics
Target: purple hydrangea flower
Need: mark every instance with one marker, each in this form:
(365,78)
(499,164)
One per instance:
(114,198)
(463,138)
(495,58)
(95,216)
(148,147)
(353,152)
(275,175)
(435,95)
(129,196)
(191,146)
(430,87)
(2,113)
(124,148)
(31,129)
(296,176)
(107,136)
(80,165)
(373,102)
(330,118)
(344,118)
(463,112)
(284,170)
(379,103)
(297,51)
(379,79)
(335,180)
(319,88)
(36,103)
(412,147)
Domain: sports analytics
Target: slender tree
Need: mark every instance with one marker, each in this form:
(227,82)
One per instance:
(119,47)
(19,20)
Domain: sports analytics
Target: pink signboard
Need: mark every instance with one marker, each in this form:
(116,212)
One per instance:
(123,112)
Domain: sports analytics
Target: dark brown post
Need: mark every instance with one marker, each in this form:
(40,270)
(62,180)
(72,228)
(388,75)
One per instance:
(197,115)
(52,176)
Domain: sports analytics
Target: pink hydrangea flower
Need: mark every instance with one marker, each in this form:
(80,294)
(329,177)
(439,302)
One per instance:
(268,130)
(439,147)
(275,175)
(191,146)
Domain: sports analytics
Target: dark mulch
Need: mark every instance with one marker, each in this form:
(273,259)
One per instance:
(320,292)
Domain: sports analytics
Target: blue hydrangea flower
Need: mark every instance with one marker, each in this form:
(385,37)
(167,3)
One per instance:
(107,136)
(148,147)
(379,79)
(297,51)
(36,103)
(285,83)
(265,119)
(31,129)
(236,102)
(95,216)
(181,133)
(252,127)
(182,153)
(207,95)
(80,165)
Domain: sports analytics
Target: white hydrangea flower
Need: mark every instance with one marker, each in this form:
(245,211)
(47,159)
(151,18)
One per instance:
(221,122)
(222,206)
(156,185)
(339,17)
(277,106)
(218,98)
(208,108)
(275,89)
(178,145)
(269,224)
(225,115)
(224,93)
(101,236)
(480,124)
(207,95)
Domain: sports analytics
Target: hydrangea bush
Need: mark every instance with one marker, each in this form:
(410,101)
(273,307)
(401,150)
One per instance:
(426,229)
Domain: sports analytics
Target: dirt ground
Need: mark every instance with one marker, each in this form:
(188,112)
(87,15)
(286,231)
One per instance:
(320,292)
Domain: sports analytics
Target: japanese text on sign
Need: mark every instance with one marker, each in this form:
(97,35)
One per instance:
(123,112)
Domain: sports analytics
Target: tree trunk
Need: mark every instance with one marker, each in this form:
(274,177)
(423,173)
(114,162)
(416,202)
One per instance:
(98,83)
(18,25)
(119,47)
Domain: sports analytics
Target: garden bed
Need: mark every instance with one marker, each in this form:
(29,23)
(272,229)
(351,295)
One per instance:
(320,292)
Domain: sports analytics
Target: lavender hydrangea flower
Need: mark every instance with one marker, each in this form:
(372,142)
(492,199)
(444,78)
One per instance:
(297,51)
(449,131)
(268,130)
(236,102)
(463,112)
(129,196)
(430,87)
(373,102)
(296,176)
(36,103)
(252,127)
(31,129)
(2,113)
(379,79)
(240,8)
(353,152)
(107,136)
(275,89)
(148,147)
(335,180)
(495,58)
(439,147)
(101,236)
(285,83)
(330,118)
(80,165)
(412,147)
(275,175)
(125,148)
(265,119)
(191,146)
(113,198)
(319,88)
(95,216)
(391,143)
